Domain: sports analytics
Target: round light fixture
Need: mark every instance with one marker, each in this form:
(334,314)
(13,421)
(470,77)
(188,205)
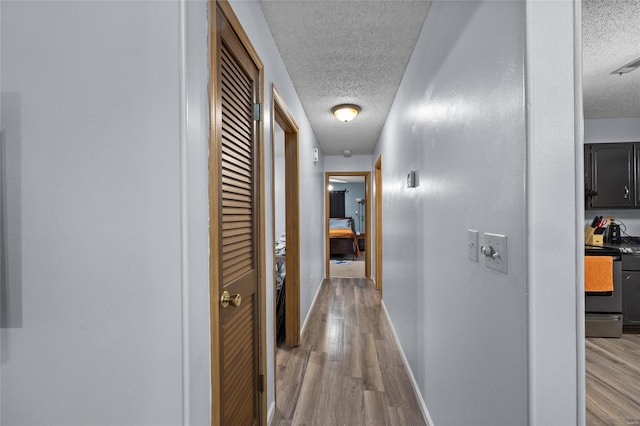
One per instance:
(345,112)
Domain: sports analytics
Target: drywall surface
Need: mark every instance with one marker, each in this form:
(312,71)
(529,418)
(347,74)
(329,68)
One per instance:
(355,163)
(555,250)
(94,87)
(612,130)
(462,128)
(311,174)
(194,157)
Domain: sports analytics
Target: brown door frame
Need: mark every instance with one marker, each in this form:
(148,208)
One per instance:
(283,117)
(378,207)
(223,7)
(367,222)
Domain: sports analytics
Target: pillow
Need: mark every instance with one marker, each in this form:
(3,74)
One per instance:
(339,223)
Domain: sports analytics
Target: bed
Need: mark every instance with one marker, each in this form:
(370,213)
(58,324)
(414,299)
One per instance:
(342,237)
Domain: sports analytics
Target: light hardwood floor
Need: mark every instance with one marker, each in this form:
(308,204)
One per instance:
(347,369)
(613,381)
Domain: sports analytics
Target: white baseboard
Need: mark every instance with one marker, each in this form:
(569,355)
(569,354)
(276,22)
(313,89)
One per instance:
(414,384)
(313,302)
(271,413)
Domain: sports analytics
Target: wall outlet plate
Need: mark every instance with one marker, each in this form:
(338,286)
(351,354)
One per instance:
(472,245)
(494,251)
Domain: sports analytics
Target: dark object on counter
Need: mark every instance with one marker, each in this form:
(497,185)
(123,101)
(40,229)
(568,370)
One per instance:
(614,235)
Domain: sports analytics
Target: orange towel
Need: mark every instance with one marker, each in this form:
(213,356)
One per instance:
(598,273)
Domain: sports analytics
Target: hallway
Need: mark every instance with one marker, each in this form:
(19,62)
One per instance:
(347,369)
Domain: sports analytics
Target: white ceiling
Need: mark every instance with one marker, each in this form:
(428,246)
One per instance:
(356,51)
(346,52)
(610,39)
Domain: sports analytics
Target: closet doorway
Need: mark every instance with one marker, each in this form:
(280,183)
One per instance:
(348,230)
(286,225)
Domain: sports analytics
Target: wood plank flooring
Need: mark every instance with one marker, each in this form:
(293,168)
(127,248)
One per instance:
(613,380)
(347,369)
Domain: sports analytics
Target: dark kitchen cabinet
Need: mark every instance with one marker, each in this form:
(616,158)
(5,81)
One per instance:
(611,171)
(631,298)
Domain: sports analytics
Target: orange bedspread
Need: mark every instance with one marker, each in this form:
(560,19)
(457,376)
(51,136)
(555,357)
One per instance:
(345,233)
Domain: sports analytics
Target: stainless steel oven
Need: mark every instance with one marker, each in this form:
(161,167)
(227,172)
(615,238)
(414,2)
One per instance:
(603,310)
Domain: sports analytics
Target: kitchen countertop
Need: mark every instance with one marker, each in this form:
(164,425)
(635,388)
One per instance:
(630,245)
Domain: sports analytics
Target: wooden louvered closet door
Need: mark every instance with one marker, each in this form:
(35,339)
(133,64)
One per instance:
(238,183)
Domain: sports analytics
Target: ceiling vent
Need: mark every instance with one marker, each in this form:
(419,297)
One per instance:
(628,68)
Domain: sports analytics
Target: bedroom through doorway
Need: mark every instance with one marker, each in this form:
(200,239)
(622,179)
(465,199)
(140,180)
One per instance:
(347,224)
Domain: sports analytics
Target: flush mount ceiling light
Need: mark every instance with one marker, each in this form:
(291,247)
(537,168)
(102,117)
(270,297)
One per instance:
(345,112)
(628,68)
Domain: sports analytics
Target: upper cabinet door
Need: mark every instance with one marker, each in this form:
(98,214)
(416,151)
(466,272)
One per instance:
(612,174)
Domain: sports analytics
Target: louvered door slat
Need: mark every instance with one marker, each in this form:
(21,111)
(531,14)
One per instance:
(232,160)
(229,62)
(237,255)
(234,136)
(235,225)
(235,183)
(235,269)
(238,238)
(238,170)
(235,155)
(240,177)
(236,204)
(231,233)
(237,247)
(234,87)
(232,192)
(235,108)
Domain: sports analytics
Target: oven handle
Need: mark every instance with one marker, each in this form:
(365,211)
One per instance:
(603,318)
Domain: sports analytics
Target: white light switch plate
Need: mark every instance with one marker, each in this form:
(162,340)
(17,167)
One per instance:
(472,245)
(497,244)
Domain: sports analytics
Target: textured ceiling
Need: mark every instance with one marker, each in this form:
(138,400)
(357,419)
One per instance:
(346,52)
(356,51)
(610,39)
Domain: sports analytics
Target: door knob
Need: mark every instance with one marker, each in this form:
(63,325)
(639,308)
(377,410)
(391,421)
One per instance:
(226,299)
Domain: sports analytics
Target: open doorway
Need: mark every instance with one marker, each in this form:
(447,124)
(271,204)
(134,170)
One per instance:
(611,107)
(286,231)
(286,226)
(348,252)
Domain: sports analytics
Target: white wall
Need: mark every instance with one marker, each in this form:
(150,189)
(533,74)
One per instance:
(554,188)
(92,107)
(311,175)
(464,327)
(355,163)
(612,130)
